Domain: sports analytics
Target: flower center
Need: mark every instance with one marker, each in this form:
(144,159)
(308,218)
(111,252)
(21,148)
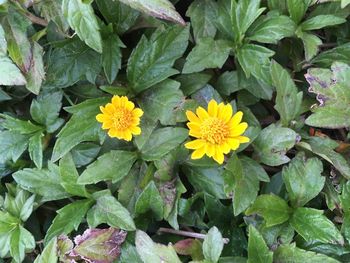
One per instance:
(214,130)
(121,118)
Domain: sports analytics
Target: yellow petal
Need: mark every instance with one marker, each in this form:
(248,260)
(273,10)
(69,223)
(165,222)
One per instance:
(213,108)
(104,110)
(196,144)
(109,109)
(239,129)
(243,139)
(193,126)
(192,117)
(195,133)
(226,113)
(100,117)
(127,135)
(197,154)
(219,157)
(135,130)
(210,149)
(202,113)
(236,119)
(116,101)
(137,112)
(123,101)
(129,105)
(225,148)
(113,133)
(234,143)
(107,125)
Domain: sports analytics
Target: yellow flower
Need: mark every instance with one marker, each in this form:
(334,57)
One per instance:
(121,118)
(216,130)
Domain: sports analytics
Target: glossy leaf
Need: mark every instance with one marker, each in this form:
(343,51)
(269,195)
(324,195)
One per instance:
(272,208)
(81,18)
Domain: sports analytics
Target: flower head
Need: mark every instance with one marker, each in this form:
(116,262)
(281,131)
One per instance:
(217,132)
(120,118)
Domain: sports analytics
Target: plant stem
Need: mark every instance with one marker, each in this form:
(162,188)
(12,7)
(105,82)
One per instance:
(187,234)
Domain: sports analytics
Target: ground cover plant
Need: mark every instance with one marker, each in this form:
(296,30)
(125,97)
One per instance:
(174,131)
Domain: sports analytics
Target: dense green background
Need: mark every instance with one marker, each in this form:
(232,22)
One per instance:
(284,197)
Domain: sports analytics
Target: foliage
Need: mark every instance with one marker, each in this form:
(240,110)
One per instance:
(71,191)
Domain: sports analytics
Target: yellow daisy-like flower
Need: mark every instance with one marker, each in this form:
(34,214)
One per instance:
(120,118)
(216,130)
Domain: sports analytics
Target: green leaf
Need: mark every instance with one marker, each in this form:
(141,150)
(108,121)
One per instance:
(213,245)
(333,94)
(242,181)
(70,176)
(4,96)
(45,109)
(228,83)
(85,153)
(158,8)
(311,44)
(303,179)
(160,102)
(344,3)
(243,14)
(70,63)
(191,83)
(19,204)
(49,254)
(340,53)
(19,46)
(17,125)
(321,21)
(10,75)
(151,252)
(258,252)
(150,199)
(254,60)
(35,149)
(36,74)
(271,29)
(3,42)
(208,180)
(12,145)
(7,222)
(121,15)
(255,86)
(51,10)
(317,146)
(288,99)
(272,145)
(108,210)
(68,218)
(81,127)
(162,141)
(208,53)
(99,245)
(272,208)
(114,166)
(297,9)
(112,57)
(312,225)
(152,59)
(81,18)
(21,240)
(223,19)
(129,254)
(203,14)
(44,182)
(345,197)
(290,253)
